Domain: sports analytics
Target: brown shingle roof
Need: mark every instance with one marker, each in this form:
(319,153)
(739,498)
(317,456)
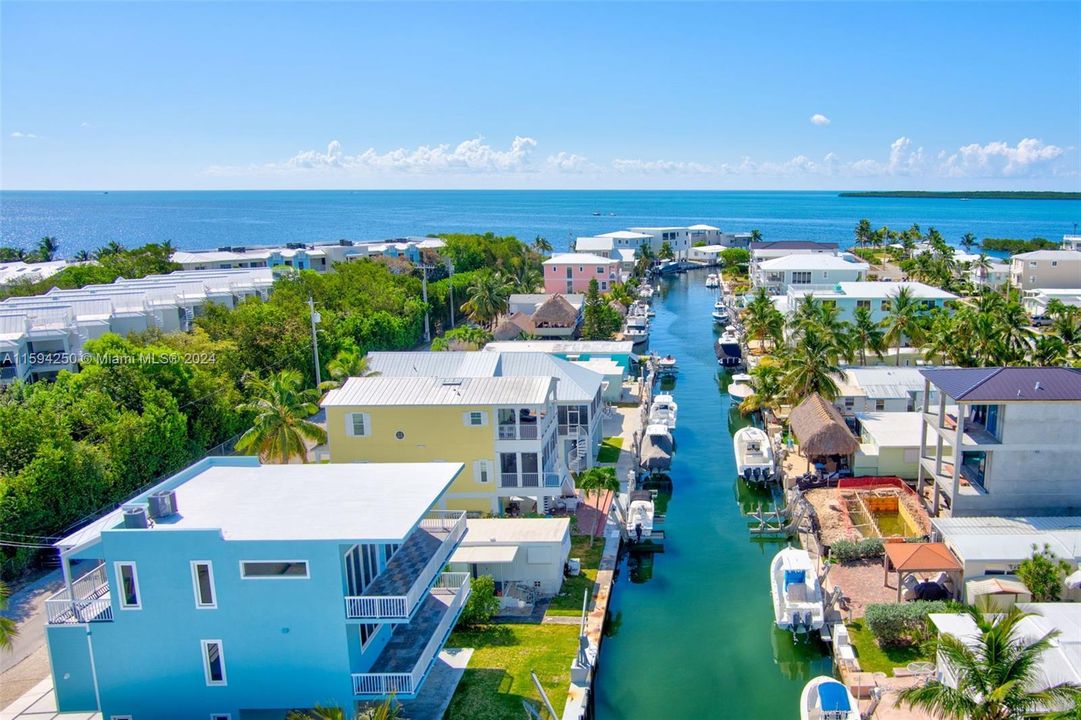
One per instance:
(820,429)
(555,312)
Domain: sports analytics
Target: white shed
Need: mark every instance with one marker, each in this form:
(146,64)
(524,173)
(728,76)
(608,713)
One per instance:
(526,551)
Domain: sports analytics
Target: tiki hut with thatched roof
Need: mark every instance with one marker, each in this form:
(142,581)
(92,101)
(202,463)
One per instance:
(820,430)
(618,306)
(512,327)
(556,317)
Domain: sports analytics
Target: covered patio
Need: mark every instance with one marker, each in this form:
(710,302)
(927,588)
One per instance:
(911,559)
(823,437)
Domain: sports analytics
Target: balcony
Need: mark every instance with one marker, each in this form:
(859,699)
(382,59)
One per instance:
(974,433)
(968,482)
(92,601)
(397,592)
(408,656)
(525,431)
(530,480)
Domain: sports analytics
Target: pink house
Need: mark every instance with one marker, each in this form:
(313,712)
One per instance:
(571,272)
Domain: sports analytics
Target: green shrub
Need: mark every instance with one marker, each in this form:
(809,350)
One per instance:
(902,623)
(848,550)
(482,603)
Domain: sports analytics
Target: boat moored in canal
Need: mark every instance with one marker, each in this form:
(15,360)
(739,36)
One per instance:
(754,455)
(657,448)
(666,365)
(797,594)
(662,411)
(824,698)
(728,350)
(740,388)
(713,280)
(720,315)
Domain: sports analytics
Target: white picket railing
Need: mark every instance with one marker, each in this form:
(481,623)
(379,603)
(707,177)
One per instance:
(91,604)
(400,607)
(405,685)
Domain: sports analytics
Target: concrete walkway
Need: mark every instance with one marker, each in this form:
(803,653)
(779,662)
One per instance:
(39,703)
(438,689)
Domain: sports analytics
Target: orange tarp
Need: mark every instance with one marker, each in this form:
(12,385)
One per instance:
(921,557)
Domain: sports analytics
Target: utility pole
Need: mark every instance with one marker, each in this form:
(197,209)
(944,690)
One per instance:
(424,295)
(450,272)
(315,340)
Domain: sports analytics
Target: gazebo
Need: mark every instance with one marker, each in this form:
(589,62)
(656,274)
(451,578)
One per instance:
(911,558)
(820,430)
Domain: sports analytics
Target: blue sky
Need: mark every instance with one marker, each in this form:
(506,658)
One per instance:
(518,95)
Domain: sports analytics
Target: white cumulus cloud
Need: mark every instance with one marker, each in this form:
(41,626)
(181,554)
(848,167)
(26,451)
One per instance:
(1000,159)
(24,136)
(819,119)
(567,162)
(670,167)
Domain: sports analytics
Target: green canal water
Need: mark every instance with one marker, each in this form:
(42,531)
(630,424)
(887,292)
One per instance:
(690,632)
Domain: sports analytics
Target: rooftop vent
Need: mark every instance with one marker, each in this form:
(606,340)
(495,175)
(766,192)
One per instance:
(163,504)
(447,382)
(1038,388)
(135,517)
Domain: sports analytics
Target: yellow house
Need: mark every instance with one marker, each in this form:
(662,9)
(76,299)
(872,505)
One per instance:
(504,429)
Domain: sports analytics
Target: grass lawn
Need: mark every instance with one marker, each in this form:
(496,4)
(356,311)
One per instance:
(877,659)
(610,449)
(569,599)
(497,678)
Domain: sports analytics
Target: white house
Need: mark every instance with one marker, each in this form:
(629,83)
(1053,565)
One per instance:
(875,296)
(991,545)
(780,273)
(880,389)
(762,250)
(11,272)
(1071,242)
(528,552)
(1036,300)
(889,444)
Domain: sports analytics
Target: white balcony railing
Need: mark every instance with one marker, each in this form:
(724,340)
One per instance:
(92,602)
(405,685)
(399,608)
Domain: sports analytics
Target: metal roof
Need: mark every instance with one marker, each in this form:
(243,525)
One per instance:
(811,261)
(1006,384)
(434,364)
(579,259)
(792,245)
(473,391)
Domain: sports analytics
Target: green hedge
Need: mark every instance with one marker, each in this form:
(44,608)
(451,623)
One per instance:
(847,550)
(903,623)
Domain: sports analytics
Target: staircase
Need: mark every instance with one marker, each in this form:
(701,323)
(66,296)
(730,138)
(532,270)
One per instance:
(579,456)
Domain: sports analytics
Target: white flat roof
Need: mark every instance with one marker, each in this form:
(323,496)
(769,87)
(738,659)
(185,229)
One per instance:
(484,531)
(615,347)
(812,261)
(883,290)
(379,390)
(249,501)
(492,555)
(702,227)
(624,235)
(589,244)
(892,429)
(578,259)
(1010,538)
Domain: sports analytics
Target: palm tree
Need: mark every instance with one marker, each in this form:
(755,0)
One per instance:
(998,678)
(8,629)
(766,380)
(1050,350)
(981,266)
(867,333)
(904,321)
(863,232)
(525,276)
(665,251)
(756,235)
(541,245)
(1066,326)
(489,296)
(594,481)
(811,367)
(82,256)
(1015,334)
(110,248)
(47,247)
(280,429)
(968,241)
(386,710)
(349,362)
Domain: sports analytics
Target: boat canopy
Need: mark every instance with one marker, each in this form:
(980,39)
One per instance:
(833,697)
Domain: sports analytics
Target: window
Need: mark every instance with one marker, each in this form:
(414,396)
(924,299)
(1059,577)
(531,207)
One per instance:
(850,403)
(880,405)
(202,577)
(482,471)
(801,278)
(863,304)
(600,269)
(884,306)
(1054,263)
(367,632)
(213,662)
(604,285)
(129,586)
(274,569)
(1033,264)
(358,424)
(476,418)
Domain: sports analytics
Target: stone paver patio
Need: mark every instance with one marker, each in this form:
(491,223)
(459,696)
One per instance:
(861,583)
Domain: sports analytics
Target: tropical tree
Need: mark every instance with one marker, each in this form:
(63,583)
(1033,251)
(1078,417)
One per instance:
(280,405)
(904,321)
(386,710)
(763,320)
(600,321)
(463,337)
(756,235)
(1043,574)
(767,382)
(1015,334)
(541,245)
(863,232)
(46,248)
(982,267)
(349,362)
(489,296)
(665,251)
(110,248)
(867,334)
(8,629)
(811,367)
(82,256)
(998,678)
(594,481)
(968,241)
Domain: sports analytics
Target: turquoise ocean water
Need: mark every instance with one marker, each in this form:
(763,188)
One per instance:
(211,219)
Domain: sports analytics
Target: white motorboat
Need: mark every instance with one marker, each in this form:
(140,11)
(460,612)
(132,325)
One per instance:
(754,455)
(740,388)
(662,411)
(729,351)
(636,329)
(640,511)
(824,698)
(667,364)
(720,304)
(720,316)
(657,447)
(712,280)
(797,594)
(645,292)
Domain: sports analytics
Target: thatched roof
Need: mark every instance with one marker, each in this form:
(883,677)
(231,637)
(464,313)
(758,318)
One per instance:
(820,429)
(512,326)
(618,306)
(555,312)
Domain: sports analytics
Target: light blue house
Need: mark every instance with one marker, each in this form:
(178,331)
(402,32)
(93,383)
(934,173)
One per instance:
(239,590)
(874,296)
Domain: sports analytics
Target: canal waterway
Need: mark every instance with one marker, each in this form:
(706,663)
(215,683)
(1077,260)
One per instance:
(691,631)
